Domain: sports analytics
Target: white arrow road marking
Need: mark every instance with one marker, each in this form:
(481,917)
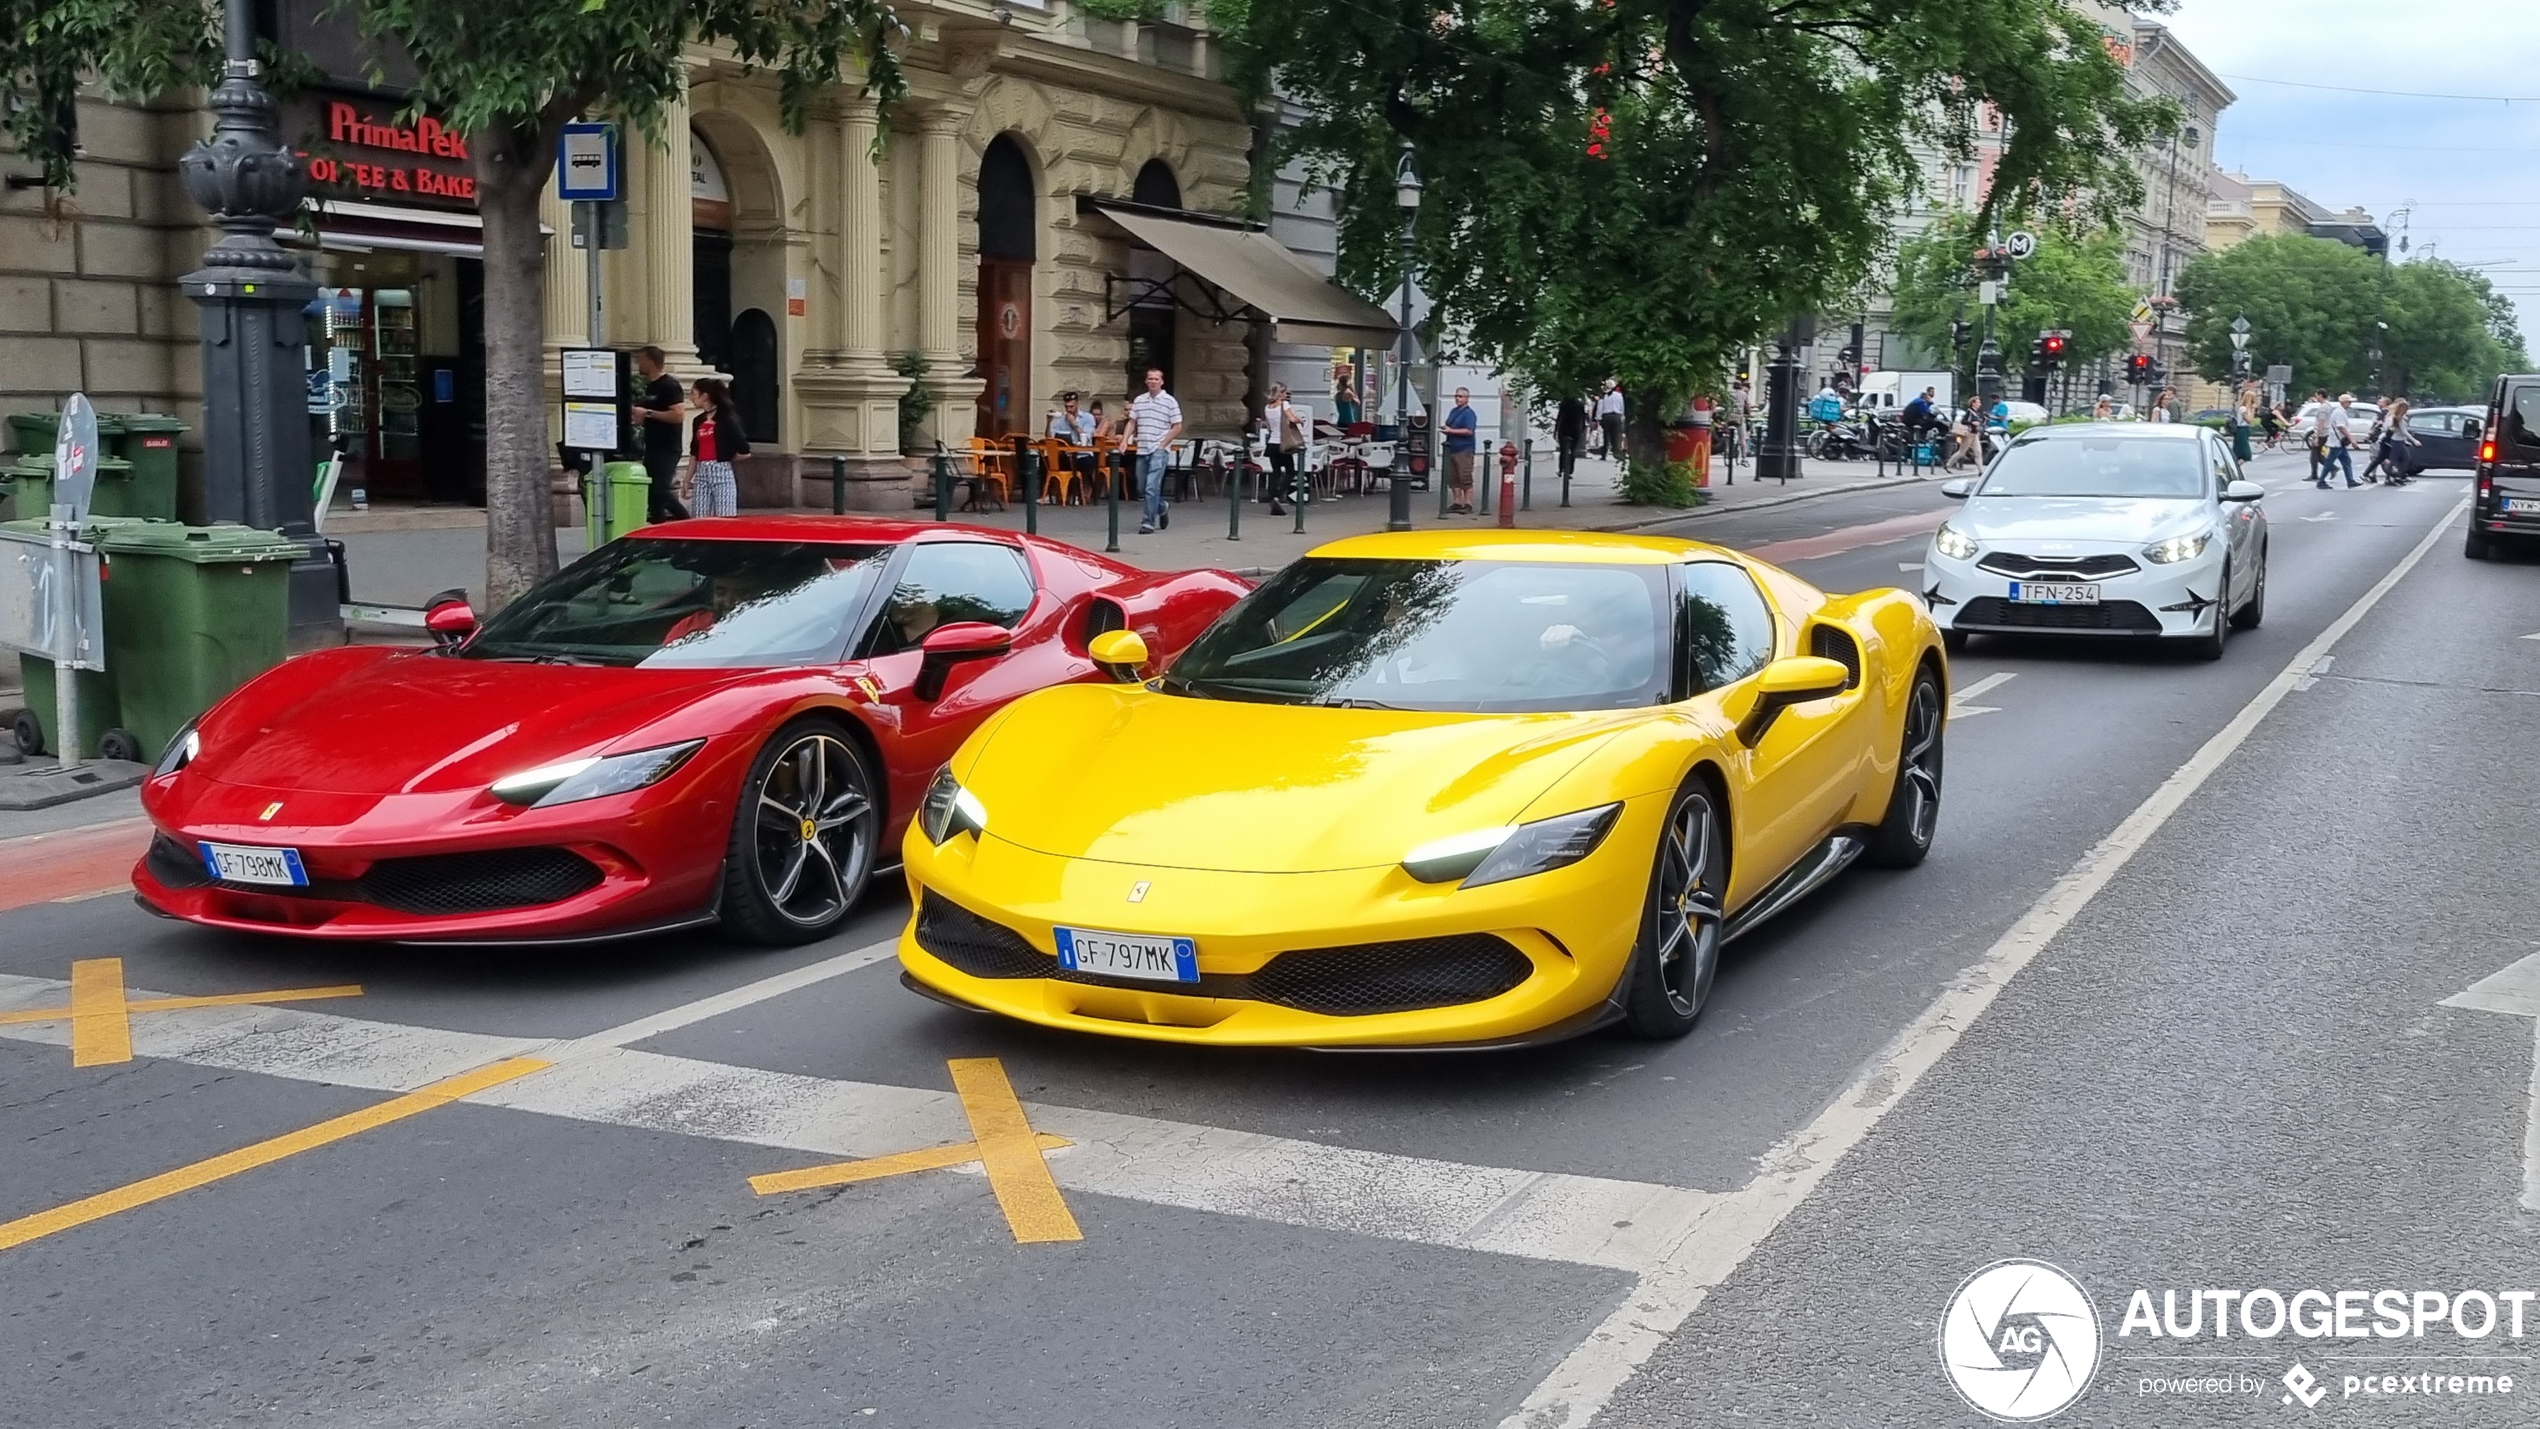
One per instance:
(2311,676)
(2323,516)
(1959,708)
(1739,1221)
(2516,991)
(2534,635)
(1909,565)
(1584,1220)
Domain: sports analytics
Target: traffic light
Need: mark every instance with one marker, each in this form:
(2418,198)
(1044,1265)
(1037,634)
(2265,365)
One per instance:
(2051,347)
(2037,352)
(1958,330)
(2138,368)
(1745,370)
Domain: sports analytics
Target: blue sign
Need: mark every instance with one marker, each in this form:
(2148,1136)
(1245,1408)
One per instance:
(445,385)
(587,164)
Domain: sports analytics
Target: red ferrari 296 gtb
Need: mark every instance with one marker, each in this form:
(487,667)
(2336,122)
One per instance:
(708,720)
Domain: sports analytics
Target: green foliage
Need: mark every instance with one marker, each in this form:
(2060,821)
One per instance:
(1659,483)
(2075,280)
(917,403)
(1748,154)
(143,47)
(2312,302)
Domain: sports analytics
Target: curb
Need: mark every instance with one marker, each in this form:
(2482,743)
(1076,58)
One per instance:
(1695,513)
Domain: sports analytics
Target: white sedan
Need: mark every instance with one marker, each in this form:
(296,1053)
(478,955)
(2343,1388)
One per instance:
(2141,529)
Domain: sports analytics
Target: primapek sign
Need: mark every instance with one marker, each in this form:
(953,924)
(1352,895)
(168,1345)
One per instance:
(354,148)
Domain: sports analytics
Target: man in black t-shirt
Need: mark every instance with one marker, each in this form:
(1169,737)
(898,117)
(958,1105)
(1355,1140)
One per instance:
(663,418)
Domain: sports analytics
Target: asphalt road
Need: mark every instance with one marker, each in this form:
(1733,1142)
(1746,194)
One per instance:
(2227,1066)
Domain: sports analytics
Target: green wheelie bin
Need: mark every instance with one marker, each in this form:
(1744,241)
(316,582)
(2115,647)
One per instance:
(100,718)
(630,497)
(145,445)
(30,480)
(192,612)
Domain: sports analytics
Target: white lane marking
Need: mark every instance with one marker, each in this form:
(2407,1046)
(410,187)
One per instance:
(2323,516)
(1584,1220)
(2312,675)
(1959,708)
(1909,565)
(2534,635)
(630,1033)
(2515,990)
(1579,1387)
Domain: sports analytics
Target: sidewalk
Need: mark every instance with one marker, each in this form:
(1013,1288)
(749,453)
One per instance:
(400,557)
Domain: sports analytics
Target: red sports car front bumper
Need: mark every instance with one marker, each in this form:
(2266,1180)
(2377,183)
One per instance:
(445,867)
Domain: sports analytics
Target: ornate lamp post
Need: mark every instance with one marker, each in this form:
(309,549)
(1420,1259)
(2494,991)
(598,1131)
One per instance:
(1406,196)
(256,466)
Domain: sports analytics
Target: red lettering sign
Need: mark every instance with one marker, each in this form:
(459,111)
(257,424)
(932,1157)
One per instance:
(347,125)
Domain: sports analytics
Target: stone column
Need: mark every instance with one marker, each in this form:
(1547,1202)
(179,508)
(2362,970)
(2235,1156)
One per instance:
(668,242)
(939,241)
(861,222)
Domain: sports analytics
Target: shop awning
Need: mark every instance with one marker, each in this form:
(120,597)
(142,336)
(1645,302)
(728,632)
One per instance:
(362,227)
(1260,273)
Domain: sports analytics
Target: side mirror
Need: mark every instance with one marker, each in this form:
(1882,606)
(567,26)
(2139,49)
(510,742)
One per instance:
(2470,429)
(2243,491)
(1960,489)
(451,621)
(1122,652)
(948,645)
(1784,683)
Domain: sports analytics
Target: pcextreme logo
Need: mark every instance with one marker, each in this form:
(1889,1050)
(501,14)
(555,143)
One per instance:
(2019,1341)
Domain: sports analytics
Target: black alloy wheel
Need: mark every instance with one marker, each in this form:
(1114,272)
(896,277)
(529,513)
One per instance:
(1904,835)
(2248,616)
(2210,647)
(1678,956)
(803,838)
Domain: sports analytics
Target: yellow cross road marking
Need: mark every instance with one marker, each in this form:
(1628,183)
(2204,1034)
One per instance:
(1005,1145)
(100,1014)
(247,1158)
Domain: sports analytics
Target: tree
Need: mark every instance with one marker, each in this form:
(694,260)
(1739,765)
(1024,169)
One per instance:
(2450,333)
(2076,280)
(509,76)
(2309,302)
(1638,188)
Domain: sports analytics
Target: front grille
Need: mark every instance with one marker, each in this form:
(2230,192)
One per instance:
(1392,977)
(2007,563)
(977,946)
(1828,643)
(169,863)
(2121,615)
(478,882)
(1352,981)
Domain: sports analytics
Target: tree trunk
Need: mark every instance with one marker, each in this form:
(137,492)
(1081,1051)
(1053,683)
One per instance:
(1645,430)
(520,535)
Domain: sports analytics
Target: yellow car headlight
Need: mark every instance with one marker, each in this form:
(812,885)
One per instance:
(1957,545)
(1487,856)
(949,810)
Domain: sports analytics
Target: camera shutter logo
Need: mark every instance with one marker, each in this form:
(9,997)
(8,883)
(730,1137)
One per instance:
(2019,1341)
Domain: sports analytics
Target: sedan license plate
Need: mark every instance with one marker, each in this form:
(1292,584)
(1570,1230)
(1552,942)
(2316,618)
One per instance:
(2522,506)
(2055,592)
(1137,955)
(246,863)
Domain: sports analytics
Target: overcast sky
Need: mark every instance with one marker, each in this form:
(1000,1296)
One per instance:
(2466,165)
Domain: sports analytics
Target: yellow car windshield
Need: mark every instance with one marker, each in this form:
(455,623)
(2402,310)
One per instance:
(1478,636)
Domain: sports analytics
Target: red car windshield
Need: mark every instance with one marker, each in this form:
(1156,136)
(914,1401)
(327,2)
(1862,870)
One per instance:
(700,604)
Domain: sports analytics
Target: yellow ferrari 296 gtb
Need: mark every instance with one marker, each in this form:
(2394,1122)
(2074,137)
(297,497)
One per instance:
(1462,789)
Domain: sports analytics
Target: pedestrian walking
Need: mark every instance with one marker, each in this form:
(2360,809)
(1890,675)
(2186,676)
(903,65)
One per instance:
(1569,434)
(1609,422)
(2161,405)
(1286,421)
(1966,432)
(1344,407)
(1461,426)
(1153,424)
(2334,436)
(2104,410)
(2392,458)
(713,488)
(662,416)
(2243,417)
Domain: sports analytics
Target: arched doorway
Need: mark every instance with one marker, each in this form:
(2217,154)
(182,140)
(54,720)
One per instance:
(1151,327)
(757,368)
(710,220)
(1008,222)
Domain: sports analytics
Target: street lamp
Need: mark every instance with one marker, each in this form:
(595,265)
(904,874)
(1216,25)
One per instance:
(1406,196)
(251,292)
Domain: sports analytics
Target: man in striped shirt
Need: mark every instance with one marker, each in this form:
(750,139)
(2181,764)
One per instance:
(1155,420)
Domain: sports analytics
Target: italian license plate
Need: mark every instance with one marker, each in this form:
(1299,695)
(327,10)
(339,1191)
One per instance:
(2055,592)
(1137,955)
(2522,506)
(246,863)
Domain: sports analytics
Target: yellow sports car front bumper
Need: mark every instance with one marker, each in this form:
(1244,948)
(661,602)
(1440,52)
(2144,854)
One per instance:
(1298,959)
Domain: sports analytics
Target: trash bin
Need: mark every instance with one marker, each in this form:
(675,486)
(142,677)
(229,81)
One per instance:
(145,441)
(99,712)
(630,496)
(192,612)
(30,480)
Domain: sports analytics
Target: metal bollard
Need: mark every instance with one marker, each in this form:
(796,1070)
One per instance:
(1300,486)
(1027,464)
(943,484)
(1119,478)
(837,486)
(1235,489)
(1526,483)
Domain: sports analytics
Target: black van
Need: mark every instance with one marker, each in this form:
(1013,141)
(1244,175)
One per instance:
(2507,502)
